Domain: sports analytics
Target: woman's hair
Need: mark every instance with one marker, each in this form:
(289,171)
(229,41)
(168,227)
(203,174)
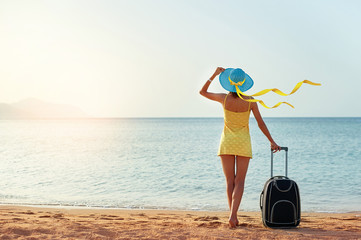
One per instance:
(234,94)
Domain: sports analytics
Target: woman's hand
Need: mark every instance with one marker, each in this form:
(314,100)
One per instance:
(275,147)
(218,71)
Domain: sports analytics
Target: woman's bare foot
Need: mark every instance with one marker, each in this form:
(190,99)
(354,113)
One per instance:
(233,222)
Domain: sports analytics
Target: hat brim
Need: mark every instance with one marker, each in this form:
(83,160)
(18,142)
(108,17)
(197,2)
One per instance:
(223,79)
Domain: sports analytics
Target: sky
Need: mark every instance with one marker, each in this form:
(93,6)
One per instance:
(141,58)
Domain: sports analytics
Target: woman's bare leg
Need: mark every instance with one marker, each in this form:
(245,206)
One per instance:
(241,170)
(228,165)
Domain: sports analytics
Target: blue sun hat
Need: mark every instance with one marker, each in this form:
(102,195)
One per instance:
(232,77)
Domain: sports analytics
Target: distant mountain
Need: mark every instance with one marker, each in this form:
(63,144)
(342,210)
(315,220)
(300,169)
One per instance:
(35,108)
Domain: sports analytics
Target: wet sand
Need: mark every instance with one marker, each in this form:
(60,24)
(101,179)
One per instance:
(23,222)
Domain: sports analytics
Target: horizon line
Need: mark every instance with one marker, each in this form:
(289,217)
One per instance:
(83,118)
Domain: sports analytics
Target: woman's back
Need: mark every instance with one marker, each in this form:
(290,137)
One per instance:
(235,104)
(235,139)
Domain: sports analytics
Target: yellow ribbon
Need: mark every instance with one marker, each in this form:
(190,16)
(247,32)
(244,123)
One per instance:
(236,84)
(275,90)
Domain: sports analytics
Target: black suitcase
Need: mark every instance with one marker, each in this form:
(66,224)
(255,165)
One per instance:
(280,200)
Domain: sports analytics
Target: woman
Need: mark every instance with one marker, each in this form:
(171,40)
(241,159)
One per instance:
(235,147)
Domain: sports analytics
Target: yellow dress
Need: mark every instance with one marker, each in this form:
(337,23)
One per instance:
(235,139)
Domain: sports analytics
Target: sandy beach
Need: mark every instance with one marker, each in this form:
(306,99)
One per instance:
(24,222)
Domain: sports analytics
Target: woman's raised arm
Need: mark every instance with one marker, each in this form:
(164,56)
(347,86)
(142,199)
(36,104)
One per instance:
(219,97)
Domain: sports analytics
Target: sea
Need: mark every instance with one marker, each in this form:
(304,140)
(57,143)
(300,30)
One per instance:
(172,163)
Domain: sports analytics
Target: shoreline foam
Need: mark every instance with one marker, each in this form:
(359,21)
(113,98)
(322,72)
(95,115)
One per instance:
(62,206)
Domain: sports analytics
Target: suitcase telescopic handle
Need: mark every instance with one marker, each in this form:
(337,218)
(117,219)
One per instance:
(286,161)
